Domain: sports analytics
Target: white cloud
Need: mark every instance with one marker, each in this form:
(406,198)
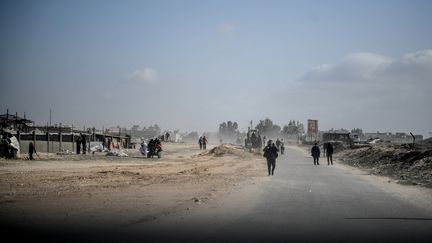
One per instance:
(413,67)
(374,68)
(365,90)
(227,28)
(145,75)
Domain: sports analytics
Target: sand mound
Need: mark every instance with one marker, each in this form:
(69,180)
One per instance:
(226,149)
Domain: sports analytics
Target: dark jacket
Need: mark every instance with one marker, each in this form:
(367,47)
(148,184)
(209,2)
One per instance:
(270,152)
(32,148)
(329,148)
(315,151)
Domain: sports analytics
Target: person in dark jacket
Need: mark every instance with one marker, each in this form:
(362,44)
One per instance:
(329,153)
(204,142)
(324,148)
(315,151)
(84,143)
(32,150)
(78,145)
(200,142)
(282,147)
(271,153)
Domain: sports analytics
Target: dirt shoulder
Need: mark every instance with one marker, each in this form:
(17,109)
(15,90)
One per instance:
(102,190)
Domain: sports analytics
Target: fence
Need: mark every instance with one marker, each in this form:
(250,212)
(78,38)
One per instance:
(57,142)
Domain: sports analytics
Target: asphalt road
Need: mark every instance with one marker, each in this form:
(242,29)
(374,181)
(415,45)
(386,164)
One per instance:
(303,203)
(300,203)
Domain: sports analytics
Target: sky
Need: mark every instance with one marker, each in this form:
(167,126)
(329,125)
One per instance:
(191,65)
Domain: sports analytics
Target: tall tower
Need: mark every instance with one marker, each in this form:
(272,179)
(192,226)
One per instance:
(312,131)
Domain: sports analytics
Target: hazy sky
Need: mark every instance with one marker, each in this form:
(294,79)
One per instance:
(193,64)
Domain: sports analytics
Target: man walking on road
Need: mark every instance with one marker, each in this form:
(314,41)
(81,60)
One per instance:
(329,153)
(200,142)
(84,143)
(278,143)
(204,142)
(32,150)
(271,153)
(78,144)
(315,151)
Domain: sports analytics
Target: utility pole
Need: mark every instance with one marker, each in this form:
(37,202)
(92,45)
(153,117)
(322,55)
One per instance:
(50,119)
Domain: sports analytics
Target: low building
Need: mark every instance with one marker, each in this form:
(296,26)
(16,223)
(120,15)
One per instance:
(398,138)
(337,136)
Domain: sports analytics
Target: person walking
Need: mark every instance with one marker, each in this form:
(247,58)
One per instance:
(84,143)
(200,142)
(329,153)
(32,149)
(271,153)
(204,142)
(315,151)
(278,143)
(78,145)
(282,147)
(324,148)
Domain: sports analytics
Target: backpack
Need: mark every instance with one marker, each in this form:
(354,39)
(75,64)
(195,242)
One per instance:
(265,153)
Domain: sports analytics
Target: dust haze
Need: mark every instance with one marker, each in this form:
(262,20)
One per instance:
(216,121)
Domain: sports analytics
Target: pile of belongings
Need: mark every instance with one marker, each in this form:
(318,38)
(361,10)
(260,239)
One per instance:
(118,153)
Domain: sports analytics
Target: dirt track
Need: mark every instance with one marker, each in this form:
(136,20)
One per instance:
(97,189)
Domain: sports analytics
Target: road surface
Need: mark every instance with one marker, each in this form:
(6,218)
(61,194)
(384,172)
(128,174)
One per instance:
(300,203)
(303,203)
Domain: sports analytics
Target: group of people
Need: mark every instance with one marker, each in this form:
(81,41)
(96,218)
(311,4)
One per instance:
(254,139)
(165,137)
(202,141)
(271,153)
(328,151)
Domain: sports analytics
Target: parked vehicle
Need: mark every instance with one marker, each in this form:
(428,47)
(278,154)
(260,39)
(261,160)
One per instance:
(253,139)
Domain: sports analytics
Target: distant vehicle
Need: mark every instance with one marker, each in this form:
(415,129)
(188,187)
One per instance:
(253,139)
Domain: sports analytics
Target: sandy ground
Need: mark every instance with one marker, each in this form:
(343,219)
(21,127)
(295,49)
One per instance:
(87,192)
(97,190)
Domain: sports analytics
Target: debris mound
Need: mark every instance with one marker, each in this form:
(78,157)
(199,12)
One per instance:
(402,162)
(225,149)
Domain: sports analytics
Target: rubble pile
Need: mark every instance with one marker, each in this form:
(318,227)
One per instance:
(225,149)
(405,164)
